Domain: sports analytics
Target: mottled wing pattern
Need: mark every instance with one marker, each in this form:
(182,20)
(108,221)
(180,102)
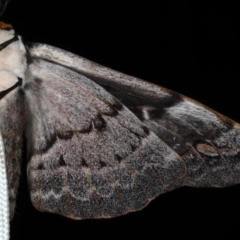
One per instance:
(12,124)
(207,141)
(89,156)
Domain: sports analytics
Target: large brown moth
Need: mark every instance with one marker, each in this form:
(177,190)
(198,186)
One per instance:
(144,112)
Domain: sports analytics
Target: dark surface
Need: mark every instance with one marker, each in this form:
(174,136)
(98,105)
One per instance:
(189,48)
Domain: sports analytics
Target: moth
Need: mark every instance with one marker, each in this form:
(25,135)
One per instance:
(101,143)
(127,152)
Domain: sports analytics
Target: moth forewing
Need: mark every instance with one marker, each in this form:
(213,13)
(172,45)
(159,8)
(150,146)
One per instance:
(90,156)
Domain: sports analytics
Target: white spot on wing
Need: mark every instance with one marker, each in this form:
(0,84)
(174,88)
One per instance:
(145,114)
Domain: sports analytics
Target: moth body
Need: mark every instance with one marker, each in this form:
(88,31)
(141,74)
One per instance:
(13,66)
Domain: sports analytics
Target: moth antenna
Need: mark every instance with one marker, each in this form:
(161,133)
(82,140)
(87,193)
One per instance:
(3,5)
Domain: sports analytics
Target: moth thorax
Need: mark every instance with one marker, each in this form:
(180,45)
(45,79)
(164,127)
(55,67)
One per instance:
(12,53)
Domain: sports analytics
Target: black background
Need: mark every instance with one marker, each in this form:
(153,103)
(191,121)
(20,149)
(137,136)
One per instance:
(189,47)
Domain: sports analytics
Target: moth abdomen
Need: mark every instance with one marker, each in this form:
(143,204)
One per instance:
(12,124)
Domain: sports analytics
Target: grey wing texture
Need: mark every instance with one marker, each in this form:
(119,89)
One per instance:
(89,155)
(207,141)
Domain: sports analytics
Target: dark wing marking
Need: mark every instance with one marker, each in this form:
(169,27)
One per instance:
(89,156)
(12,124)
(207,141)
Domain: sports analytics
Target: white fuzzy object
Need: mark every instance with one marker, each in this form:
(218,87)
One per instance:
(4,206)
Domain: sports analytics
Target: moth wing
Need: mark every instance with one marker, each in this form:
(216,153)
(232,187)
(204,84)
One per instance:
(207,141)
(89,156)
